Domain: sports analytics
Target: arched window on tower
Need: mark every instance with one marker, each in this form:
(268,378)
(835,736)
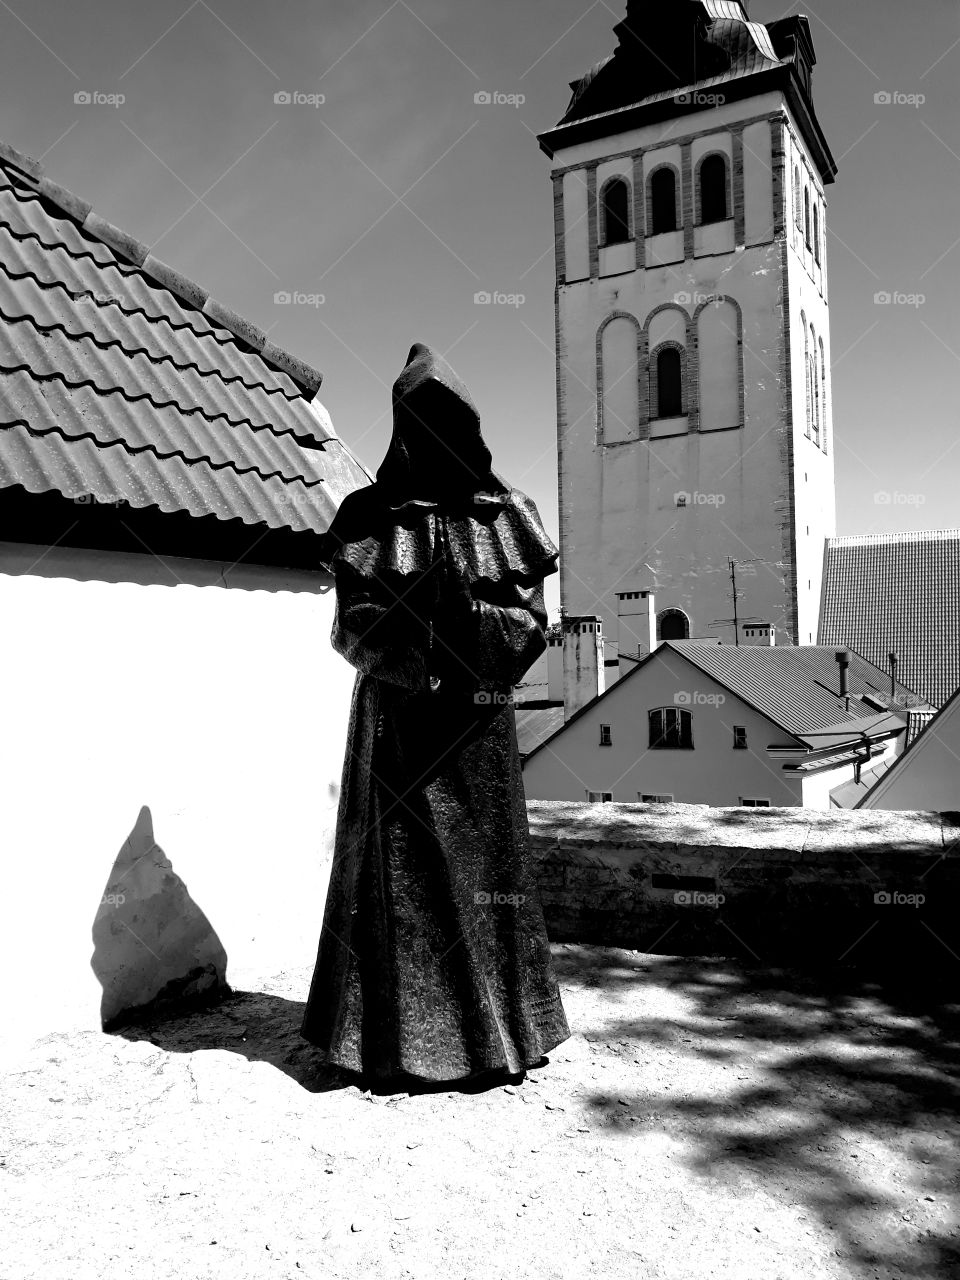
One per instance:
(673,624)
(823,397)
(797,197)
(815,385)
(615,226)
(663,200)
(713,188)
(816,232)
(806,215)
(668,366)
(807,386)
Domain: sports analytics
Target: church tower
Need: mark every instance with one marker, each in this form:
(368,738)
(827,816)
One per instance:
(692,329)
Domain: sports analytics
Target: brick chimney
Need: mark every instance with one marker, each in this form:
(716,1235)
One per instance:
(636,627)
(583,671)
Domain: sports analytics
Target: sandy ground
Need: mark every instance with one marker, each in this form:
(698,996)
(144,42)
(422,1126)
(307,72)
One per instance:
(706,1120)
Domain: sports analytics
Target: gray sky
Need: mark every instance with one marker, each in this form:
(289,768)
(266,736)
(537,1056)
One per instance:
(400,197)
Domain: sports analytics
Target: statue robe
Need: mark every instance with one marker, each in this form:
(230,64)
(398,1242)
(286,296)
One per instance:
(433,960)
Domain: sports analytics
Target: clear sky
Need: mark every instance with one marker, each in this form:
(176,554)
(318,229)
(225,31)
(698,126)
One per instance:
(400,197)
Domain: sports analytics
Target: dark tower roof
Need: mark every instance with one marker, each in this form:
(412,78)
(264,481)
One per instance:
(667,50)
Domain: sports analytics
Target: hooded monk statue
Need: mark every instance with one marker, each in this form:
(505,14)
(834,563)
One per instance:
(433,962)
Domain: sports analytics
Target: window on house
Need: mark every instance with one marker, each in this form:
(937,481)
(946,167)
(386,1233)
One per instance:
(671,729)
(748,802)
(740,737)
(599,797)
(806,215)
(673,624)
(616,212)
(669,383)
(663,201)
(606,737)
(654,797)
(713,189)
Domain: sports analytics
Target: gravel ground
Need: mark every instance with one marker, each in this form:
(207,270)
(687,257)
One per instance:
(706,1120)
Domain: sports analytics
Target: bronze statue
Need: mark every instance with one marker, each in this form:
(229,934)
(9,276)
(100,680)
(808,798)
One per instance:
(433,962)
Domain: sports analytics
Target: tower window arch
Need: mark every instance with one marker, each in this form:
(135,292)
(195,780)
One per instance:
(673,624)
(667,370)
(823,397)
(797,197)
(816,232)
(663,200)
(712,188)
(615,211)
(815,389)
(806,215)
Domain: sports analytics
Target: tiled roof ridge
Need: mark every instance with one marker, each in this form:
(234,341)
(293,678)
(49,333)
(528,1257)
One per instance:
(186,290)
(88,336)
(157,404)
(912,535)
(212,333)
(151,448)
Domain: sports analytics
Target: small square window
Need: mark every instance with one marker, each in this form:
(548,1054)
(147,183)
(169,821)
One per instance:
(740,737)
(606,738)
(748,803)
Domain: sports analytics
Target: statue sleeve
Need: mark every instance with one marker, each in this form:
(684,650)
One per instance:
(378,633)
(495,644)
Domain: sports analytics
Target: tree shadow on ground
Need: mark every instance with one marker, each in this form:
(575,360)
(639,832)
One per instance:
(855,1113)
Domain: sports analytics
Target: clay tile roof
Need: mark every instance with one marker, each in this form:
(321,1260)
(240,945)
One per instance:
(120,379)
(898,592)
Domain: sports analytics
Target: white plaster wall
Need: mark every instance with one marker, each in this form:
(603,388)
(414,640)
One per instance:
(758,183)
(714,772)
(928,777)
(575,241)
(221,707)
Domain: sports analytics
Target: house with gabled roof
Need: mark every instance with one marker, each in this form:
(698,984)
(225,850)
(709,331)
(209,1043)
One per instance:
(718,724)
(166,474)
(926,775)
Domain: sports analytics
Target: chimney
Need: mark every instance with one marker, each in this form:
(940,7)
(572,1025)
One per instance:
(843,661)
(892,659)
(636,627)
(555,665)
(583,673)
(758,633)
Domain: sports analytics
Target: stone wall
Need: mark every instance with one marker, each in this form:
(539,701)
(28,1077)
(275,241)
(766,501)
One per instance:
(841,886)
